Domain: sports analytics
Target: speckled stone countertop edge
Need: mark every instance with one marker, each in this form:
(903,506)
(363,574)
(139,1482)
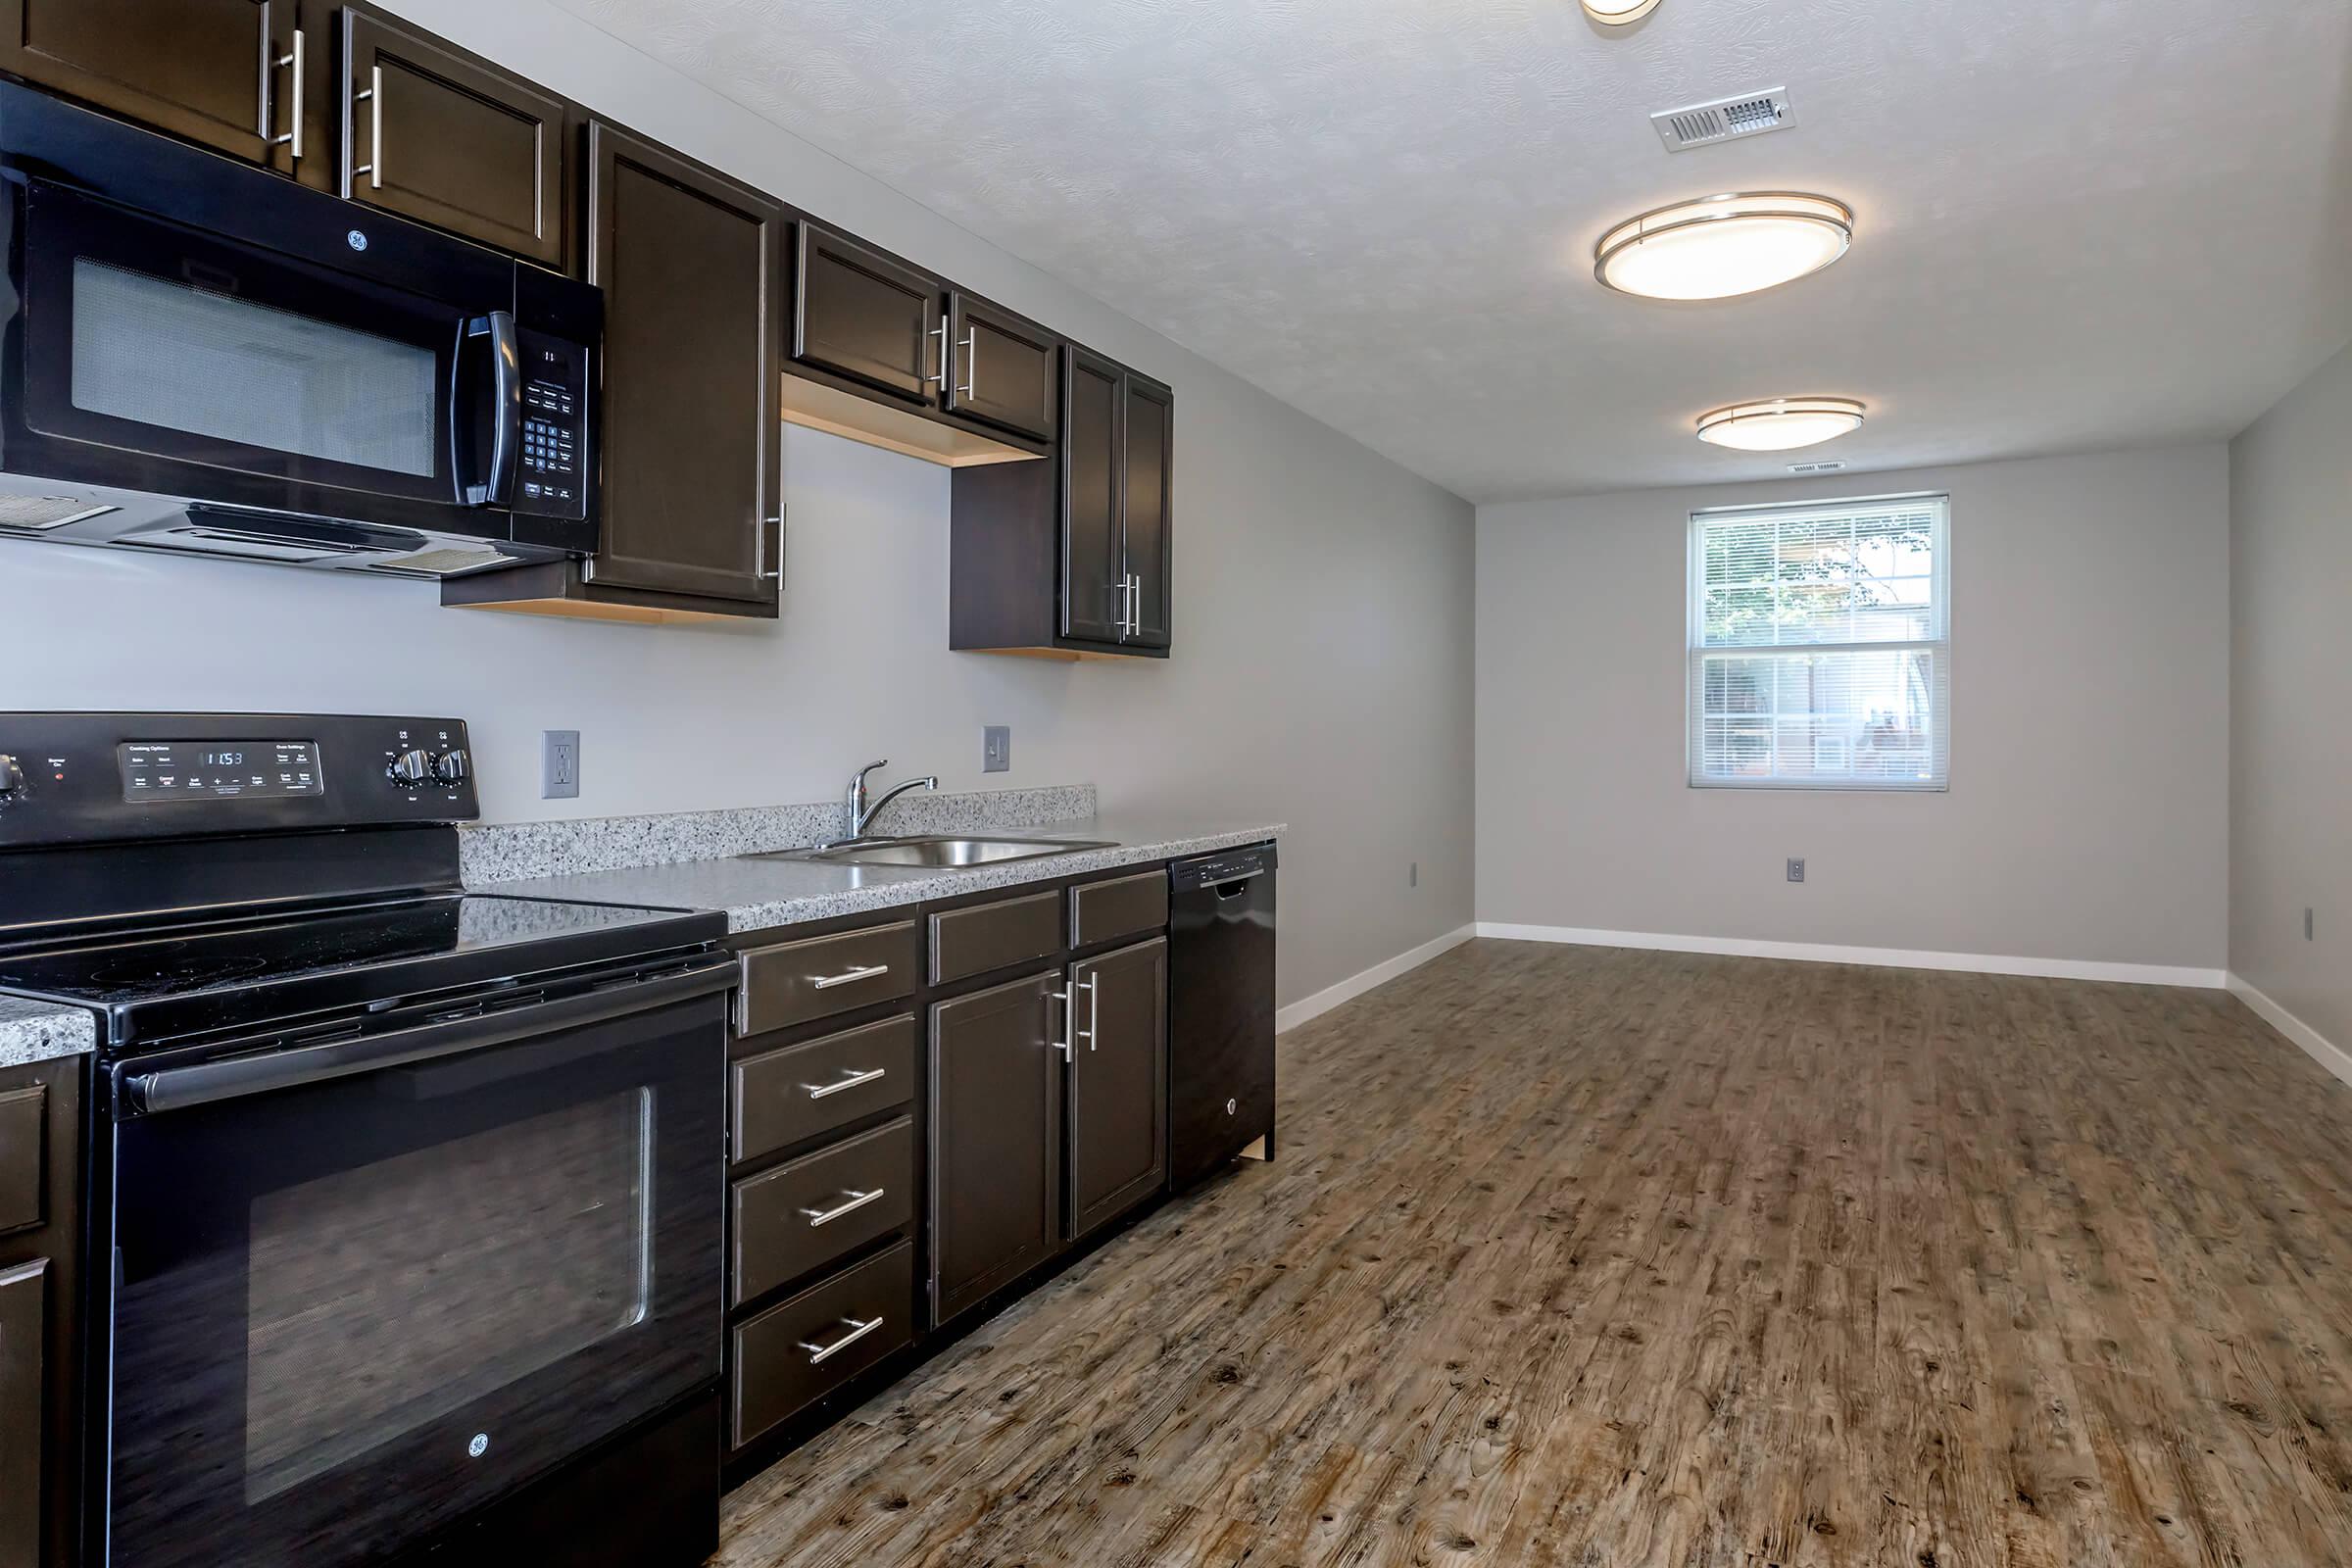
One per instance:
(758,896)
(512,852)
(42,1031)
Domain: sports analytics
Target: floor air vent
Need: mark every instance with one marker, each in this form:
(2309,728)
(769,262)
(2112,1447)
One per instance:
(1751,113)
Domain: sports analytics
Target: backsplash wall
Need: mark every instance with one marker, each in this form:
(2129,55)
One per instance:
(1322,672)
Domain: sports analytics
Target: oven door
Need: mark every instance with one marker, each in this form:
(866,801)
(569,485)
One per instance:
(364,1288)
(152,357)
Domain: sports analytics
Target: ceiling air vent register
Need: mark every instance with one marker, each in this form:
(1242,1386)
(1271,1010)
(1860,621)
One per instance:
(1751,113)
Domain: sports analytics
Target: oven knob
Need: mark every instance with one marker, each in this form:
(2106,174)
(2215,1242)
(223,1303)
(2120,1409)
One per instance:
(11,778)
(410,768)
(452,767)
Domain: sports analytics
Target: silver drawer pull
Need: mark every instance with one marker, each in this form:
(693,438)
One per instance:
(819,1354)
(855,1078)
(849,976)
(826,1217)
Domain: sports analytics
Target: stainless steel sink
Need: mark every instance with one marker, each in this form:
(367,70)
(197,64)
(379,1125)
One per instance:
(936,852)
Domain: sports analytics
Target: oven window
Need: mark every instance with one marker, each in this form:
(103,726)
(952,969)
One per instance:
(176,357)
(383,1298)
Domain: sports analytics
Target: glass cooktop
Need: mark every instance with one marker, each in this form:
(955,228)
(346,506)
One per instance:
(253,970)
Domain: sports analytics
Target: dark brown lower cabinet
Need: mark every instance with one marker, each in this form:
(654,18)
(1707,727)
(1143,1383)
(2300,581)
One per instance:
(40,1140)
(995,1125)
(23,1363)
(1118,1125)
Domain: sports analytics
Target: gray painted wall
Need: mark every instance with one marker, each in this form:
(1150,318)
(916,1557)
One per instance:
(2087,818)
(1323,601)
(2290,782)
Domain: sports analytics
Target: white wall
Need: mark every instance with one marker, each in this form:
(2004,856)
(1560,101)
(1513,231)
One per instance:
(2290,785)
(2087,819)
(1322,597)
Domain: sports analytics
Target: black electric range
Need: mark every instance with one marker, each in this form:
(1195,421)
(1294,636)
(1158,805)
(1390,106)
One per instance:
(406,1203)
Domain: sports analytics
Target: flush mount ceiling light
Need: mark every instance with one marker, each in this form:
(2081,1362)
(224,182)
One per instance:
(1617,13)
(1781,424)
(1719,246)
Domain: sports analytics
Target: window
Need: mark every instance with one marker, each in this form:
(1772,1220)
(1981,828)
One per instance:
(1821,646)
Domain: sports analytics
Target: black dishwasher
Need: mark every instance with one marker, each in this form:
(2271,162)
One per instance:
(1220,1010)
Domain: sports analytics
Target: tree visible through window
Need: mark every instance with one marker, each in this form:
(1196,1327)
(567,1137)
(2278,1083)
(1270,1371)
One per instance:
(1821,646)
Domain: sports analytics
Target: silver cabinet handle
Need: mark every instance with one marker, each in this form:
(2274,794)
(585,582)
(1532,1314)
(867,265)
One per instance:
(1135,602)
(818,1355)
(826,1217)
(852,1081)
(374,97)
(1067,1017)
(971,362)
(1094,1007)
(760,549)
(849,976)
(291,139)
(940,379)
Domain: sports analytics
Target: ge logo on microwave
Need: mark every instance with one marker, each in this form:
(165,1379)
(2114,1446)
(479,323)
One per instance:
(357,240)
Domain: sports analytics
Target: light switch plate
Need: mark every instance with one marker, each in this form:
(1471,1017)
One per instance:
(1796,869)
(996,748)
(560,764)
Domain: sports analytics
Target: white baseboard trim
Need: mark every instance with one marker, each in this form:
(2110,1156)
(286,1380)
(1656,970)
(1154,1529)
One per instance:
(1355,986)
(2146,974)
(2315,1044)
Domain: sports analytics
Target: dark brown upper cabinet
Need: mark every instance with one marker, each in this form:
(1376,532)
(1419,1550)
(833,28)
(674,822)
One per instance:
(1147,541)
(996,1135)
(216,72)
(872,358)
(1005,370)
(1073,559)
(692,266)
(443,136)
(1119,1071)
(859,312)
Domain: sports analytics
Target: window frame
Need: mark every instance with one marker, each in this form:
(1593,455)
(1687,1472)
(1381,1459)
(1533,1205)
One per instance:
(1696,649)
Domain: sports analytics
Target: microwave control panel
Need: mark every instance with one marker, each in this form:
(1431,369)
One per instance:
(552,480)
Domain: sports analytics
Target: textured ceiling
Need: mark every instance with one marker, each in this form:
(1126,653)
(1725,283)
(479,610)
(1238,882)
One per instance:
(2081,223)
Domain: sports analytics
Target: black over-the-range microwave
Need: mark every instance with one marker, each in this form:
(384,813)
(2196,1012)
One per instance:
(203,357)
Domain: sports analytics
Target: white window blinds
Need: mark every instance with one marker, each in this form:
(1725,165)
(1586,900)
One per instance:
(1821,646)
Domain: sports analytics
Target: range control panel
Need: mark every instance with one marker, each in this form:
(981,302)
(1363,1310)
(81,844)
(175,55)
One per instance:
(553,479)
(80,778)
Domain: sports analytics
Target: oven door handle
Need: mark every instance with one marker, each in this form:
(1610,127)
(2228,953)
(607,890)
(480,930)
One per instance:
(148,1093)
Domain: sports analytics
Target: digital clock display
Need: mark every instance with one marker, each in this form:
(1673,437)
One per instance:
(216,771)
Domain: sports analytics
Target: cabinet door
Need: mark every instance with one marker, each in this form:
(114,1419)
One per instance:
(23,1420)
(1094,599)
(216,72)
(443,136)
(996,1121)
(1149,446)
(859,314)
(1118,1083)
(1005,370)
(692,268)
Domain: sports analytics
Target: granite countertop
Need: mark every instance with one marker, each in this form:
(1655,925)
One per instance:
(42,1031)
(755,895)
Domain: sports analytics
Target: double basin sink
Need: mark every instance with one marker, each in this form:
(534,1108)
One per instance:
(933,852)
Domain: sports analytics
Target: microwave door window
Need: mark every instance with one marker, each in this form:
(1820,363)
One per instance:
(248,376)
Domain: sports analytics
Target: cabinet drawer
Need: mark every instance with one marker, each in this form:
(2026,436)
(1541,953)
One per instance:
(801,1350)
(799,1217)
(1126,906)
(794,982)
(783,1096)
(24,1120)
(990,936)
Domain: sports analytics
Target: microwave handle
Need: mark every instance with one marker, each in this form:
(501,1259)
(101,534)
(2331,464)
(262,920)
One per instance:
(496,488)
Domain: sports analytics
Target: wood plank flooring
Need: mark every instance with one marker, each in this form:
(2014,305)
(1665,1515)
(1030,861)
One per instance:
(1588,1257)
